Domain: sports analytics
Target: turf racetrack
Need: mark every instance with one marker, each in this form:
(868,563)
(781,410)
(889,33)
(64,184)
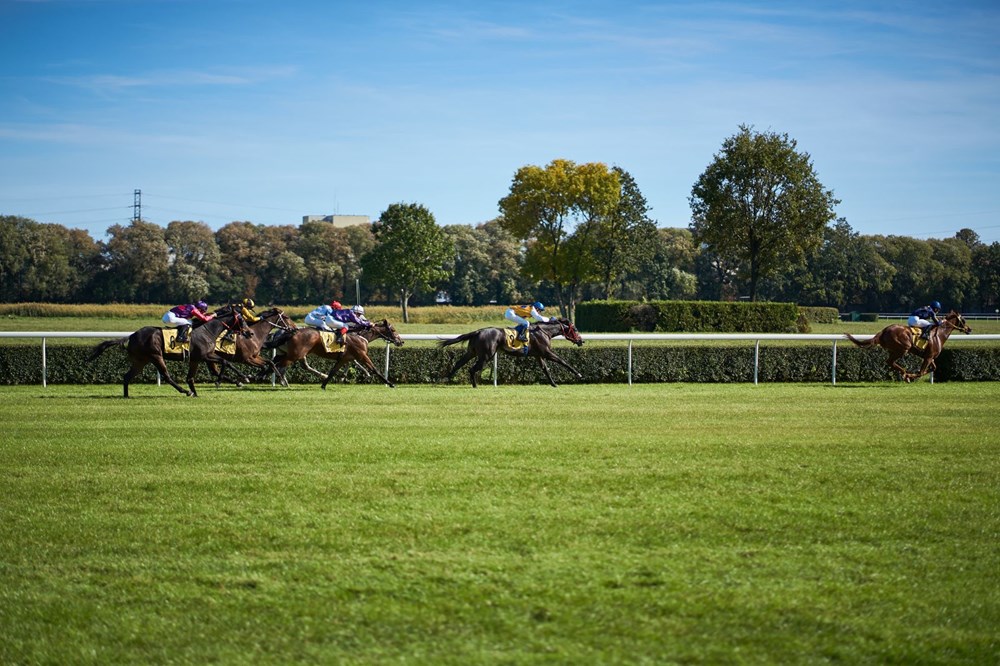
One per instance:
(440,524)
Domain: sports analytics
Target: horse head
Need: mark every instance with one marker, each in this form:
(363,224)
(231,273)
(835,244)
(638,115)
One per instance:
(387,332)
(958,322)
(568,331)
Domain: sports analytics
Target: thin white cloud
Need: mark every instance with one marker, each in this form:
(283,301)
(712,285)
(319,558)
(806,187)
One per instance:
(110,83)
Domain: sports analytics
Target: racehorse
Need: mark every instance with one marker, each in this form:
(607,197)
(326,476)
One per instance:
(305,341)
(248,348)
(145,346)
(486,342)
(897,339)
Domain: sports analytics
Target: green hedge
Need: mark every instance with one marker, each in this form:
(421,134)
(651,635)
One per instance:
(689,317)
(606,364)
(819,315)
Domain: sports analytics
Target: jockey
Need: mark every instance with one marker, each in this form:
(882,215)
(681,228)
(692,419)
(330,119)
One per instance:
(519,315)
(926,318)
(325,316)
(182,316)
(353,317)
(245,308)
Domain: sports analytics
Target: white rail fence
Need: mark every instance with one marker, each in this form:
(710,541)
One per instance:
(631,338)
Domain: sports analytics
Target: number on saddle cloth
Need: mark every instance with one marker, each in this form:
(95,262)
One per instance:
(170,341)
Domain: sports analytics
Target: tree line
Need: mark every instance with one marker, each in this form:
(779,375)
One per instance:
(763,227)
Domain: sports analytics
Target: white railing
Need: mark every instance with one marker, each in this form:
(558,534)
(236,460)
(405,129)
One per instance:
(629,337)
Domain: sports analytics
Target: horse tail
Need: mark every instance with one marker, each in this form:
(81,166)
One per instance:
(101,348)
(871,342)
(461,338)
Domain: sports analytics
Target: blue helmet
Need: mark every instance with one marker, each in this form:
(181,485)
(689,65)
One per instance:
(201,305)
(538,306)
(936,305)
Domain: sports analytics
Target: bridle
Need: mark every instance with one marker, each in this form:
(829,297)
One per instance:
(385,334)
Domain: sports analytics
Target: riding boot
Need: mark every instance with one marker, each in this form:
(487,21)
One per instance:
(522,332)
(182,333)
(340,335)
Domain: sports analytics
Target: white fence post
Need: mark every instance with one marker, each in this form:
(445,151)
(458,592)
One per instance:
(44,366)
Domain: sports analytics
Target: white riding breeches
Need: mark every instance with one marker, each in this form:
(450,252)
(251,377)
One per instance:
(171,319)
(914,320)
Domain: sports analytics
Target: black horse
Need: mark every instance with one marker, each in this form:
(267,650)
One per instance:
(145,346)
(486,342)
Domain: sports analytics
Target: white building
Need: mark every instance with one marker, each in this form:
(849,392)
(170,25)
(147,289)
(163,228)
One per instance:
(338,220)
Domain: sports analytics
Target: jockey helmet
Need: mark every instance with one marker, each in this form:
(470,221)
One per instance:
(201,305)
(936,305)
(336,305)
(358,310)
(538,306)
(249,304)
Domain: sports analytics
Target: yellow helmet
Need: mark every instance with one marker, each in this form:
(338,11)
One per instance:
(248,303)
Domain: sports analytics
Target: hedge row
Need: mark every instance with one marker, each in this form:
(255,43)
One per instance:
(819,315)
(606,364)
(689,317)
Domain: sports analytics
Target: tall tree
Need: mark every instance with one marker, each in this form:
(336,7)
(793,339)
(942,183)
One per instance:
(625,237)
(557,211)
(137,257)
(486,265)
(244,258)
(760,205)
(410,253)
(193,259)
(986,262)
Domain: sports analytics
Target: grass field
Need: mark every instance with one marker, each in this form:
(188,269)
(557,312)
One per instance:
(675,523)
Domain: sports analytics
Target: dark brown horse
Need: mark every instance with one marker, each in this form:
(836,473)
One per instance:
(145,346)
(897,339)
(248,347)
(306,341)
(486,342)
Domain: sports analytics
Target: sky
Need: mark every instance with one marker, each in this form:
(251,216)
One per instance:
(224,110)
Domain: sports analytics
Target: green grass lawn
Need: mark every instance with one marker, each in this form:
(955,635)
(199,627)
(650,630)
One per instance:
(683,523)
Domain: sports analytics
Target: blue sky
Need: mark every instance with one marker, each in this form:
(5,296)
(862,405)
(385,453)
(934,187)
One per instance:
(222,110)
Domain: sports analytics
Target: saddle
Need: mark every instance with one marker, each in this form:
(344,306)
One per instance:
(512,344)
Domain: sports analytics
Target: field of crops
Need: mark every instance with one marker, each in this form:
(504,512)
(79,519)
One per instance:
(688,523)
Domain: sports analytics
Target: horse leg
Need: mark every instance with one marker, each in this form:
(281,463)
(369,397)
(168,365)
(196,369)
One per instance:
(468,356)
(366,362)
(477,368)
(551,356)
(130,374)
(161,365)
(334,370)
(318,373)
(192,369)
(893,364)
(545,368)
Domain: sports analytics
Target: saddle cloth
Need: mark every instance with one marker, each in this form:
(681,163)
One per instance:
(512,343)
(918,341)
(330,342)
(171,345)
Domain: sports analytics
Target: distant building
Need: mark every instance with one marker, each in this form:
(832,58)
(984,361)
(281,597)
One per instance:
(338,220)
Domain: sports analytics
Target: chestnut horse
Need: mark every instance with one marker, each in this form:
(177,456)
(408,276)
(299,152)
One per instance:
(486,342)
(898,341)
(308,340)
(145,346)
